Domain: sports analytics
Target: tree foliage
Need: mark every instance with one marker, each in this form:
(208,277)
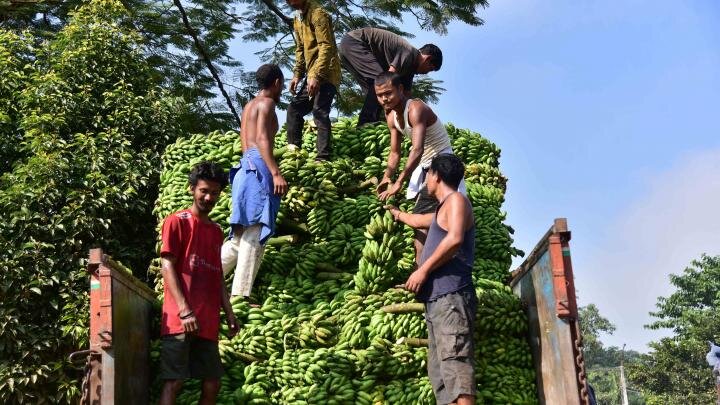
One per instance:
(180,63)
(92,122)
(676,371)
(602,363)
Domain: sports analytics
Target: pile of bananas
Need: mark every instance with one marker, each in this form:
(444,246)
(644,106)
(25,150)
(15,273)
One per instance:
(332,328)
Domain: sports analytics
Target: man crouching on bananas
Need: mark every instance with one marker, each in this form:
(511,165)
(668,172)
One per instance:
(257,184)
(444,282)
(429,138)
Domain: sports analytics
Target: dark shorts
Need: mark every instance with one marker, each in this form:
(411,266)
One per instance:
(184,356)
(424,203)
(451,361)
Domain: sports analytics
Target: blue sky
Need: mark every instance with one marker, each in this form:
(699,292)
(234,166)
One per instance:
(606,115)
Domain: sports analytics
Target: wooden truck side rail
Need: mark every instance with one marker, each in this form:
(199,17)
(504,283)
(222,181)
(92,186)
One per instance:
(544,283)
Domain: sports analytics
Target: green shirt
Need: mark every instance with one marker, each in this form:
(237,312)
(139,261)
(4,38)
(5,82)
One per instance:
(315,50)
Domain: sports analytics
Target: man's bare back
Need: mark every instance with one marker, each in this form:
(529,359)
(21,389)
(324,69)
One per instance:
(258,127)
(258,121)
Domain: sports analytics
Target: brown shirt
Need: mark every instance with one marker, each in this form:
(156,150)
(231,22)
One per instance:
(389,49)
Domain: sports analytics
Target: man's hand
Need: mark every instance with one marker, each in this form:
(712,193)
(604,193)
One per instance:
(391,191)
(293,84)
(189,323)
(281,186)
(232,325)
(383,185)
(416,280)
(394,211)
(312,86)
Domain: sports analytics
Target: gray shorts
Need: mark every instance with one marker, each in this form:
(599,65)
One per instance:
(451,361)
(185,356)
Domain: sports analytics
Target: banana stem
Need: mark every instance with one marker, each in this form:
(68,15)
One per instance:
(412,342)
(404,308)
(373,181)
(282,240)
(248,357)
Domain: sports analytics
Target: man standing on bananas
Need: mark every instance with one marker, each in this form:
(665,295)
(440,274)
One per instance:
(316,59)
(194,291)
(428,137)
(443,281)
(367,52)
(257,184)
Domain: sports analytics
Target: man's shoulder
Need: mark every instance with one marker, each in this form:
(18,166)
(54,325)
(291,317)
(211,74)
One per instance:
(260,104)
(316,11)
(417,109)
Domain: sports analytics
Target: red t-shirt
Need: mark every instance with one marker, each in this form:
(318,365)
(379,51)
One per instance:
(196,246)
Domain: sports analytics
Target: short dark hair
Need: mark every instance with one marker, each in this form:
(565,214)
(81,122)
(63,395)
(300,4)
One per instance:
(208,171)
(435,55)
(267,74)
(392,77)
(449,168)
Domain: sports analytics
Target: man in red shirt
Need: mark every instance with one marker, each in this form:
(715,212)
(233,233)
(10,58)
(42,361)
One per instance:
(194,290)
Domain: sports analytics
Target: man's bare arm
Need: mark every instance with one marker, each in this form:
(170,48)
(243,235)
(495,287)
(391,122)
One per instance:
(170,280)
(417,117)
(394,156)
(415,221)
(266,124)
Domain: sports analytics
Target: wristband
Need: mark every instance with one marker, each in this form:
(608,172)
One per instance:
(188,315)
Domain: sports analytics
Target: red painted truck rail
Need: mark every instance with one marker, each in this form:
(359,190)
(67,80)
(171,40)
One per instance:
(117,368)
(545,285)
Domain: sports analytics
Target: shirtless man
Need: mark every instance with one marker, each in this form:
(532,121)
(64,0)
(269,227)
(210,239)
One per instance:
(257,184)
(412,118)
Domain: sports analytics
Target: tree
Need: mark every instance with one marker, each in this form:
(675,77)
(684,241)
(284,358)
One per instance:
(601,363)
(93,123)
(675,371)
(592,324)
(182,49)
(15,71)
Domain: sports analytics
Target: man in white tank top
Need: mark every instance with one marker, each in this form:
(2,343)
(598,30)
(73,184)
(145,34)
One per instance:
(416,120)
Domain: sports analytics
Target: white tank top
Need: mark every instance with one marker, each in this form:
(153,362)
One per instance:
(436,137)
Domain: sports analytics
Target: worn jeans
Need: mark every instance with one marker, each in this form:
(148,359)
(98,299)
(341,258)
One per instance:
(320,106)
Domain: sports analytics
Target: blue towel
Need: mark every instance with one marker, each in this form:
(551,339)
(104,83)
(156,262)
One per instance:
(253,199)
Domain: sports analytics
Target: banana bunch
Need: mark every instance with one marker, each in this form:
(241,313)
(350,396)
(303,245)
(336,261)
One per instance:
(493,239)
(345,244)
(396,326)
(410,391)
(485,195)
(500,312)
(482,173)
(471,148)
(373,166)
(355,211)
(377,268)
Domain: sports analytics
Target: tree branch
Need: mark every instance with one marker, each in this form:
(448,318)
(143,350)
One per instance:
(287,20)
(206,59)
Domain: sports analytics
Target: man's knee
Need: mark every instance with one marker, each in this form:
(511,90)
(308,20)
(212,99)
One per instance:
(211,387)
(173,386)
